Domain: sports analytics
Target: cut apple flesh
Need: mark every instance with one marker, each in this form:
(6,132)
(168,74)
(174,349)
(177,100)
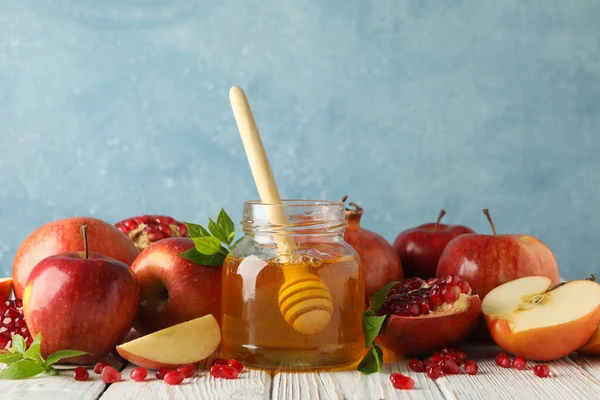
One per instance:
(185,343)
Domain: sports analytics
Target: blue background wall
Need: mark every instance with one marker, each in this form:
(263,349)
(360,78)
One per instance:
(117,108)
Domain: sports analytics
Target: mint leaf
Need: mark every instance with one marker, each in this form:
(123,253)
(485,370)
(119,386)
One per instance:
(236,243)
(59,355)
(33,351)
(218,232)
(23,369)
(18,344)
(225,222)
(196,257)
(9,358)
(372,361)
(196,230)
(231,236)
(371,327)
(207,245)
(379,297)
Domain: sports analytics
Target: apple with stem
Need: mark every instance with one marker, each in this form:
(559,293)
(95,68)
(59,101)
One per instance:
(80,301)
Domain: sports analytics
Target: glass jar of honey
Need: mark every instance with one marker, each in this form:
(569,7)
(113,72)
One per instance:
(296,310)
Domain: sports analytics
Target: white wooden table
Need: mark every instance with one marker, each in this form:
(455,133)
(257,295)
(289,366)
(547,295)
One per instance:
(575,377)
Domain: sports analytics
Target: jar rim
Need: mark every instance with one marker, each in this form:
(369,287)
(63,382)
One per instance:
(297,203)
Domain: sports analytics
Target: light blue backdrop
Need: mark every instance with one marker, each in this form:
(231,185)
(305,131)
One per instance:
(116,108)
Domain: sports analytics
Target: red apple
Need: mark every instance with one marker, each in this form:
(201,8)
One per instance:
(486,261)
(5,288)
(80,301)
(174,289)
(420,248)
(62,236)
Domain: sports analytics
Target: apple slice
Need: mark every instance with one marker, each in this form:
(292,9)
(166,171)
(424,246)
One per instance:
(5,287)
(531,318)
(185,343)
(592,346)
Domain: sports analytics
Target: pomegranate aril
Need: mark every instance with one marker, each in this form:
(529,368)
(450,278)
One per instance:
(174,378)
(414,309)
(19,322)
(400,381)
(434,372)
(110,375)
(424,306)
(80,374)
(449,367)
(450,294)
(416,365)
(471,367)
(502,360)
(139,374)
(12,313)
(239,367)
(161,372)
(464,286)
(187,370)
(18,303)
(541,370)
(28,341)
(519,362)
(4,341)
(433,281)
(215,370)
(228,372)
(8,322)
(452,280)
(436,297)
(99,367)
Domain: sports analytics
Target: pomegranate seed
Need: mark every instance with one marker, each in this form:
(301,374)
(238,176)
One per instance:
(19,322)
(174,378)
(28,341)
(432,281)
(502,360)
(519,362)
(161,372)
(216,370)
(471,367)
(18,303)
(239,367)
(434,372)
(436,297)
(8,322)
(188,370)
(228,372)
(449,367)
(415,283)
(99,367)
(414,309)
(110,375)
(450,294)
(541,370)
(220,361)
(437,356)
(81,374)
(12,313)
(139,374)
(464,286)
(4,341)
(416,365)
(400,381)
(452,280)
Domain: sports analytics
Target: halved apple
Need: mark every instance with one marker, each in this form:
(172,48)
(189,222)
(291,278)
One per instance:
(185,343)
(5,287)
(531,318)
(592,346)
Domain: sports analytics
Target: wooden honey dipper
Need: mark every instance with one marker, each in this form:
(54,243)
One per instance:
(304,300)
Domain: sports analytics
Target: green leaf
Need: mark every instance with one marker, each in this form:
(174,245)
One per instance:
(379,297)
(9,358)
(18,344)
(59,355)
(225,222)
(218,232)
(33,351)
(23,369)
(52,372)
(207,245)
(236,243)
(194,256)
(196,230)
(371,327)
(372,361)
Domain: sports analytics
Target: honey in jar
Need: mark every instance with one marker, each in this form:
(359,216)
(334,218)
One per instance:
(255,328)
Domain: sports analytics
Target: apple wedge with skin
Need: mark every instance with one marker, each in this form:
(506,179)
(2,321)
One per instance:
(5,288)
(592,346)
(185,343)
(532,318)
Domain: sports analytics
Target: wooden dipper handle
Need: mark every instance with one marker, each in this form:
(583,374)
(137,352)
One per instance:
(304,300)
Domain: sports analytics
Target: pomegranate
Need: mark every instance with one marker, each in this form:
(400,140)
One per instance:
(380,262)
(147,229)
(424,316)
(12,322)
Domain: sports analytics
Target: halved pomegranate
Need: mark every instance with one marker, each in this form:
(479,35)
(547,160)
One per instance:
(147,229)
(424,316)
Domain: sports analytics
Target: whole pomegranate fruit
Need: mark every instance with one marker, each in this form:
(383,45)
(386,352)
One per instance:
(144,230)
(380,262)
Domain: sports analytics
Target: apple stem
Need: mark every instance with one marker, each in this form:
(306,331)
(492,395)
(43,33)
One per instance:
(489,217)
(83,231)
(437,223)
(592,278)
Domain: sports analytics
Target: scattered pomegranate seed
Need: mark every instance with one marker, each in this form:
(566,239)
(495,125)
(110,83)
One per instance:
(238,366)
(416,365)
(161,372)
(174,377)
(449,367)
(110,375)
(188,370)
(541,370)
(471,367)
(434,372)
(400,381)
(139,374)
(502,360)
(99,367)
(228,372)
(81,374)
(519,362)
(216,370)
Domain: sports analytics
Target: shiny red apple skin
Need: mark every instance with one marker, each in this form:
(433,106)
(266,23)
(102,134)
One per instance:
(420,248)
(63,236)
(80,304)
(486,261)
(174,289)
